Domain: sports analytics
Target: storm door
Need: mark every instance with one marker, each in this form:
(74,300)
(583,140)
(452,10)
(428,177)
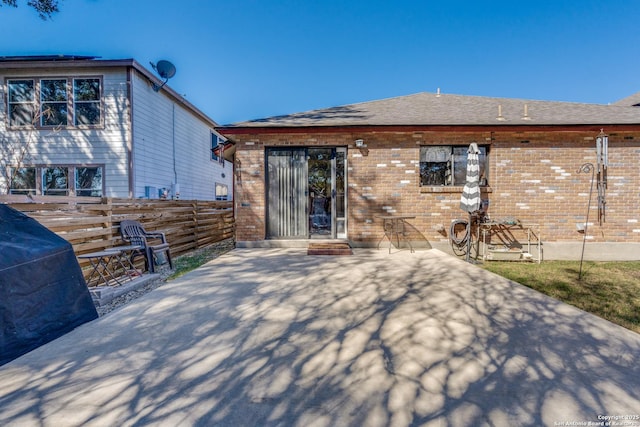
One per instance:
(306,193)
(287,193)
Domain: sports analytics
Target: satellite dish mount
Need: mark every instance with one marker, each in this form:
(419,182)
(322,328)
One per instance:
(165,70)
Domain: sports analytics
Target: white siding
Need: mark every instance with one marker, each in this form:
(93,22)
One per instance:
(171,144)
(106,146)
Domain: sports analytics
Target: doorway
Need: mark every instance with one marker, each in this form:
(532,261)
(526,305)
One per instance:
(306,193)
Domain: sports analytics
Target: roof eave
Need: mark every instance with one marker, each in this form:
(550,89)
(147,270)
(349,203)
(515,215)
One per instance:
(71,63)
(172,93)
(246,130)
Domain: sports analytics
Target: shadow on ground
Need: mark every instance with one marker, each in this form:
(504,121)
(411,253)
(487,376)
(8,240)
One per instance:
(275,337)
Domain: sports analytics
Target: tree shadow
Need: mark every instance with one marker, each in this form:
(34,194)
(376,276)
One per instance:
(408,237)
(329,114)
(275,337)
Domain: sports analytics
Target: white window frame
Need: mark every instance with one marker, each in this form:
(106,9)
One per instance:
(221,191)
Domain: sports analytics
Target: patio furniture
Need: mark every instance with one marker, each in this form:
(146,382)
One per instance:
(499,242)
(125,259)
(102,267)
(153,245)
(395,228)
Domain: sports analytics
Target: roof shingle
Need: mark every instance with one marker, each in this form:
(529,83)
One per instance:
(444,109)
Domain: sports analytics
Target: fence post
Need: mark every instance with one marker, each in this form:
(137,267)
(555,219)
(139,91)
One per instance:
(109,213)
(194,206)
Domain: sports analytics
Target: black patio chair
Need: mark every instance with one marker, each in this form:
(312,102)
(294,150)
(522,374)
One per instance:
(153,245)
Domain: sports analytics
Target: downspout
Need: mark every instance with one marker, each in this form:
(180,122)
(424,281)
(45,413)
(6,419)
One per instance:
(176,186)
(173,140)
(129,136)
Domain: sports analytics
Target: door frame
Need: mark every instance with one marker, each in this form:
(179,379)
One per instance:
(339,232)
(339,225)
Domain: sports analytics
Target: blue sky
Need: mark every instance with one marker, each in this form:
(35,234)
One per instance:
(244,59)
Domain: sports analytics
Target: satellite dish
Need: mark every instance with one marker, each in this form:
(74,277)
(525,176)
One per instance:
(165,70)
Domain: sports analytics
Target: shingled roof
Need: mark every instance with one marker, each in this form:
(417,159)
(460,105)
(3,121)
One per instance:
(444,109)
(633,100)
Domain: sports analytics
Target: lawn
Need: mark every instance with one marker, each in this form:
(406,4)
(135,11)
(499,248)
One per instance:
(194,259)
(185,263)
(610,290)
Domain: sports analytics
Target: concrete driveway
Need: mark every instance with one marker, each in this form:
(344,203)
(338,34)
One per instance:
(273,337)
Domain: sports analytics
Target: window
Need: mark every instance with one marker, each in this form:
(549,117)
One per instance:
(446,165)
(55,181)
(88,182)
(222,192)
(23,181)
(58,180)
(86,101)
(21,102)
(55,102)
(217,143)
(214,145)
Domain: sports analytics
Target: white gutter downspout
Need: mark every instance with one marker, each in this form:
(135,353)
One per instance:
(176,186)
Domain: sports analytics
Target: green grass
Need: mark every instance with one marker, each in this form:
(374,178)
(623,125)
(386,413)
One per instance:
(610,290)
(192,260)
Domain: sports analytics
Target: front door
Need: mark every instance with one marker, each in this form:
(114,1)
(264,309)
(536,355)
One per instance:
(306,193)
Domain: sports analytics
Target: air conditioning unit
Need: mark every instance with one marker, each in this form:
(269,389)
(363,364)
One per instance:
(150,192)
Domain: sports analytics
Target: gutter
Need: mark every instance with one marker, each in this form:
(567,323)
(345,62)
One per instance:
(249,130)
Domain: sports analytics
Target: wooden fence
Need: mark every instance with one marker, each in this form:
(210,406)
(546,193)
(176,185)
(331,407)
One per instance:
(92,224)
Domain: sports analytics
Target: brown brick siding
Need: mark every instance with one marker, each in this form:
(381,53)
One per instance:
(532,175)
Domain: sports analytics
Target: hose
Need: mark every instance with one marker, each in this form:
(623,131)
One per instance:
(452,231)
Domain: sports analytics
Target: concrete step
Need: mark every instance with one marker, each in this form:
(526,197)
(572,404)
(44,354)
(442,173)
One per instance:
(332,248)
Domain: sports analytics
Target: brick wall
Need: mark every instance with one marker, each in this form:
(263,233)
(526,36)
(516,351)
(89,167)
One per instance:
(532,175)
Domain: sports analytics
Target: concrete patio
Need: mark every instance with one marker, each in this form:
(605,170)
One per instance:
(273,337)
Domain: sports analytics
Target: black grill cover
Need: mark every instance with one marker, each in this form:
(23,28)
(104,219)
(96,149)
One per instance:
(43,294)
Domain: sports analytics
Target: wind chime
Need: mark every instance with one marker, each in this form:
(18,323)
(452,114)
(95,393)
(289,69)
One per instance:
(602,163)
(602,159)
